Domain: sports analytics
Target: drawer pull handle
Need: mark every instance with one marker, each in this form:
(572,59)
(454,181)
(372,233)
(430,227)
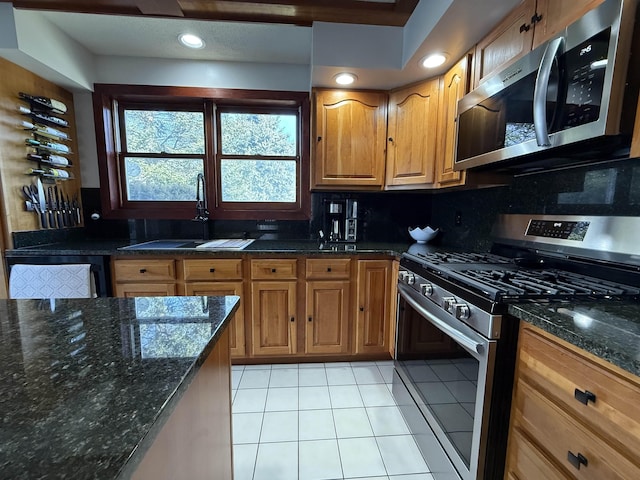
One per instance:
(212,270)
(577,460)
(584,397)
(328,269)
(273,270)
(143,270)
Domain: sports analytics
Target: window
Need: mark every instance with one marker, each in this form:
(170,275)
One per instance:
(251,146)
(258,157)
(161,153)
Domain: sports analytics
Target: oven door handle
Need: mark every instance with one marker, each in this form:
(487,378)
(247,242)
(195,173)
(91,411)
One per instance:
(458,336)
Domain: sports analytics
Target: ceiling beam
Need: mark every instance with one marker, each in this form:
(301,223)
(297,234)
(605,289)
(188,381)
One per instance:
(296,12)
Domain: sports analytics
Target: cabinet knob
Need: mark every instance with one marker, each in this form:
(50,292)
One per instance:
(584,397)
(391,139)
(328,269)
(525,27)
(293,319)
(319,138)
(310,319)
(577,460)
(362,309)
(143,270)
(536,18)
(273,270)
(212,270)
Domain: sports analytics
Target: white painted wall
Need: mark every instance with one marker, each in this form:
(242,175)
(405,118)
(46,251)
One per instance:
(87,148)
(198,73)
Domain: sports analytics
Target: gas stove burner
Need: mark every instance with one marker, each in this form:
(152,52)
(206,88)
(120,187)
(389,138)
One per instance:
(442,258)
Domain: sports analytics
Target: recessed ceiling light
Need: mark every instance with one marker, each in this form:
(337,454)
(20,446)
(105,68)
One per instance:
(345,78)
(190,40)
(434,60)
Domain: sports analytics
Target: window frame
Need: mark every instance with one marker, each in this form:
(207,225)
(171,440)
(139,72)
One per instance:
(109,100)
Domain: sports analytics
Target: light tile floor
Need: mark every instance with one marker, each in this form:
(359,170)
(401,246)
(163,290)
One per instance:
(321,421)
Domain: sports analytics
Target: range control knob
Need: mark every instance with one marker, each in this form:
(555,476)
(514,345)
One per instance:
(402,275)
(410,279)
(426,289)
(461,311)
(448,303)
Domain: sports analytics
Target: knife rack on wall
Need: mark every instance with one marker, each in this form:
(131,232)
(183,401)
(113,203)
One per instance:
(26,135)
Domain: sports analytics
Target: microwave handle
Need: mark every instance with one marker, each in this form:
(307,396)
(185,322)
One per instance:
(554,48)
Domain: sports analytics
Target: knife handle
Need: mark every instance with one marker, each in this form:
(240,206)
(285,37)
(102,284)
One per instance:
(60,218)
(52,219)
(43,219)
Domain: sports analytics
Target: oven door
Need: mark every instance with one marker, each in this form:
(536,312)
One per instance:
(448,369)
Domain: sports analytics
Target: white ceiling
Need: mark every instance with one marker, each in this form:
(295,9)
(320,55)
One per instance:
(452,26)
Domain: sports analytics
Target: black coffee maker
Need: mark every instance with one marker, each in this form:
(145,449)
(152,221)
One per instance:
(340,223)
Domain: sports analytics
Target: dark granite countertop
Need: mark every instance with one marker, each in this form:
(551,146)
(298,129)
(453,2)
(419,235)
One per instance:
(609,330)
(258,247)
(87,384)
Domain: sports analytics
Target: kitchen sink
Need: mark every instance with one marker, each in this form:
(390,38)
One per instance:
(218,244)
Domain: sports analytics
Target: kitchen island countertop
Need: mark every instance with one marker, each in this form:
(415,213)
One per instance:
(608,330)
(87,384)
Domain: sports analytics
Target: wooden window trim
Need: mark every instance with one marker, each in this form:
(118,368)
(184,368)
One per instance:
(106,98)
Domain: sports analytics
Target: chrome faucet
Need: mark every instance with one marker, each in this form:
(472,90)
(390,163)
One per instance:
(202,213)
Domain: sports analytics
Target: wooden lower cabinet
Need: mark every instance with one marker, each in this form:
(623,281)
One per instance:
(374,306)
(327,317)
(144,277)
(236,328)
(557,429)
(273,318)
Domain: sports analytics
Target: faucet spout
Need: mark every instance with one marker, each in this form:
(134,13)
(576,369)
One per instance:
(202,212)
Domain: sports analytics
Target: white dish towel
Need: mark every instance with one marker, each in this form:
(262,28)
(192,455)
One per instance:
(52,281)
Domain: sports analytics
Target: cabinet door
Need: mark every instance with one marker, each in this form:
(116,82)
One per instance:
(555,15)
(455,85)
(327,322)
(508,41)
(373,322)
(411,143)
(349,138)
(145,289)
(273,318)
(236,328)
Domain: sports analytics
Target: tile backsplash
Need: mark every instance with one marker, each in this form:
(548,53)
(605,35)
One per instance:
(465,217)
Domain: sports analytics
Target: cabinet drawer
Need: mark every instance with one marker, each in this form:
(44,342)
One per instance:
(144,270)
(321,268)
(561,436)
(284,268)
(525,461)
(213,269)
(559,371)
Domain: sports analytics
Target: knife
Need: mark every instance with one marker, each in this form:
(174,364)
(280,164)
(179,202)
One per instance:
(70,216)
(59,215)
(51,206)
(42,203)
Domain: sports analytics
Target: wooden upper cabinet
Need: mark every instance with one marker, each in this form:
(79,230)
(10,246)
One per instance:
(508,41)
(527,26)
(349,138)
(555,15)
(412,135)
(455,85)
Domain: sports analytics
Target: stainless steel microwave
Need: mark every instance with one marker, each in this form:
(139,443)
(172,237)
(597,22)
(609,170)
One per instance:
(564,102)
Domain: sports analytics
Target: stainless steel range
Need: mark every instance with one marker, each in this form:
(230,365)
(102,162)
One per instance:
(456,342)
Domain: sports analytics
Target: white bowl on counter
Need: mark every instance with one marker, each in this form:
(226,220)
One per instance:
(423,235)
